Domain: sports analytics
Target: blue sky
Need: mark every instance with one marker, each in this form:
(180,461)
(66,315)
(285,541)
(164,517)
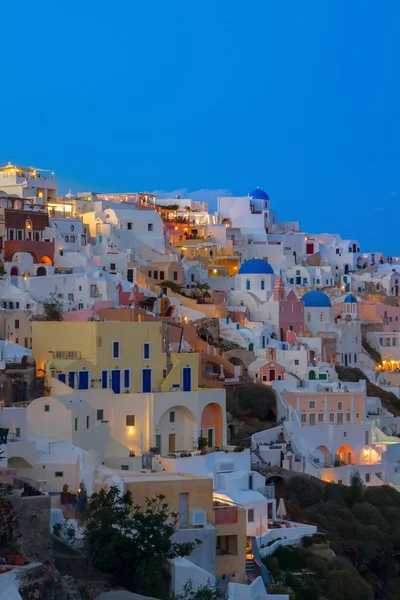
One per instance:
(298,97)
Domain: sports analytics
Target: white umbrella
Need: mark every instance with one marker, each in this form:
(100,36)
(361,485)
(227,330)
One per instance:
(12,432)
(281,512)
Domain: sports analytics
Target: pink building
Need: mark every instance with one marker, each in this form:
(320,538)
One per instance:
(328,408)
(376,312)
(271,371)
(290,312)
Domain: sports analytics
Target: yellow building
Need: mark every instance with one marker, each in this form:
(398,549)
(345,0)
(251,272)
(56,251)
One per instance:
(147,397)
(122,356)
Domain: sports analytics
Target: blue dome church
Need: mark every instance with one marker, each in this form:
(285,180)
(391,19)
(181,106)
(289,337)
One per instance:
(318,310)
(256,276)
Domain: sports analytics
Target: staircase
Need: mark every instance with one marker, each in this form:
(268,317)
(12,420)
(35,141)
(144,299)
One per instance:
(258,455)
(251,569)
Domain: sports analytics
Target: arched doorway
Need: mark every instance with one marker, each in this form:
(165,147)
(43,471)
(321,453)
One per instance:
(346,269)
(345,454)
(325,452)
(176,430)
(46,260)
(231,432)
(311,375)
(41,271)
(396,287)
(14,272)
(212,424)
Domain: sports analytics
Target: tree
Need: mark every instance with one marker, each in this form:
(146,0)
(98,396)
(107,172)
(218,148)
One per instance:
(131,542)
(347,584)
(52,310)
(258,400)
(171,285)
(148,303)
(203,592)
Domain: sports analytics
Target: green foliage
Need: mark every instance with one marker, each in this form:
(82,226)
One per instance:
(148,303)
(131,542)
(309,540)
(257,400)
(345,584)
(202,442)
(291,558)
(171,285)
(52,310)
(203,592)
(167,206)
(368,514)
(307,492)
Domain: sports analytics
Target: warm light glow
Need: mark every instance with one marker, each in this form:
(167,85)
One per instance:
(215,271)
(176,228)
(366,454)
(26,276)
(130,429)
(384,362)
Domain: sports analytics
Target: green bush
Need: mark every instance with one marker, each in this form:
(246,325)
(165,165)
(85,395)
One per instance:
(306,491)
(347,585)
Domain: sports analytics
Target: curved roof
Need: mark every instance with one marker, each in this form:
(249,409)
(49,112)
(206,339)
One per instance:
(256,266)
(316,299)
(350,298)
(258,194)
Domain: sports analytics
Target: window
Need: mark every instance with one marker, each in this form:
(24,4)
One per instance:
(11,304)
(18,432)
(16,324)
(331,418)
(80,288)
(172,416)
(100,415)
(175,275)
(87,422)
(367,477)
(47,408)
(71,297)
(317,280)
(104,379)
(17,305)
(321,317)
(16,340)
(130,420)
(112,267)
(127,378)
(247,284)
(304,418)
(115,349)
(76,424)
(146,351)
(262,284)
(150,227)
(66,238)
(340,481)
(93,291)
(72,239)
(348,417)
(340,406)
(129,225)
(340,418)
(58,473)
(250,515)
(357,415)
(296,362)
(124,467)
(149,273)
(320,418)
(311,404)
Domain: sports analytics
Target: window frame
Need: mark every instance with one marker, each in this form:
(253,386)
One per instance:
(113,348)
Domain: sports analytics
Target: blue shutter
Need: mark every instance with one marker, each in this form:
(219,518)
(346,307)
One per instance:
(71,379)
(84,380)
(116,381)
(104,380)
(62,377)
(187,379)
(146,381)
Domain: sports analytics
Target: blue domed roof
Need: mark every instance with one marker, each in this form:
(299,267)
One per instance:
(258,194)
(350,298)
(316,299)
(256,266)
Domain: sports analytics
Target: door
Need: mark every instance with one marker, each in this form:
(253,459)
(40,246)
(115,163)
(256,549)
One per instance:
(62,377)
(116,381)
(71,379)
(345,360)
(309,248)
(183,510)
(146,381)
(272,374)
(158,442)
(171,442)
(263,341)
(210,437)
(83,380)
(187,379)
(104,379)
(349,458)
(312,419)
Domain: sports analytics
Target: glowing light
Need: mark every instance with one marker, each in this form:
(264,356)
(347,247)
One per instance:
(130,429)
(366,454)
(215,271)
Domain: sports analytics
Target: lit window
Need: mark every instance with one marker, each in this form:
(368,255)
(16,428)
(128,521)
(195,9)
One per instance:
(130,420)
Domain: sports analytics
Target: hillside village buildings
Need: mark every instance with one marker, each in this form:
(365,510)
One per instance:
(125,318)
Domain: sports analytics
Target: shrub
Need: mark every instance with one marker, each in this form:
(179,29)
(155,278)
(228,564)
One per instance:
(306,491)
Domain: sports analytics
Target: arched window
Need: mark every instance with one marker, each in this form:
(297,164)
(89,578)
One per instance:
(247,284)
(28,224)
(308,317)
(28,230)
(263,284)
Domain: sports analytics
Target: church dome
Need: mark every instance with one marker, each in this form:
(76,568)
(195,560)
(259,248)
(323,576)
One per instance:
(351,298)
(316,299)
(256,266)
(258,194)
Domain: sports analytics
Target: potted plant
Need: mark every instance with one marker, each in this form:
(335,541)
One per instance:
(202,444)
(132,454)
